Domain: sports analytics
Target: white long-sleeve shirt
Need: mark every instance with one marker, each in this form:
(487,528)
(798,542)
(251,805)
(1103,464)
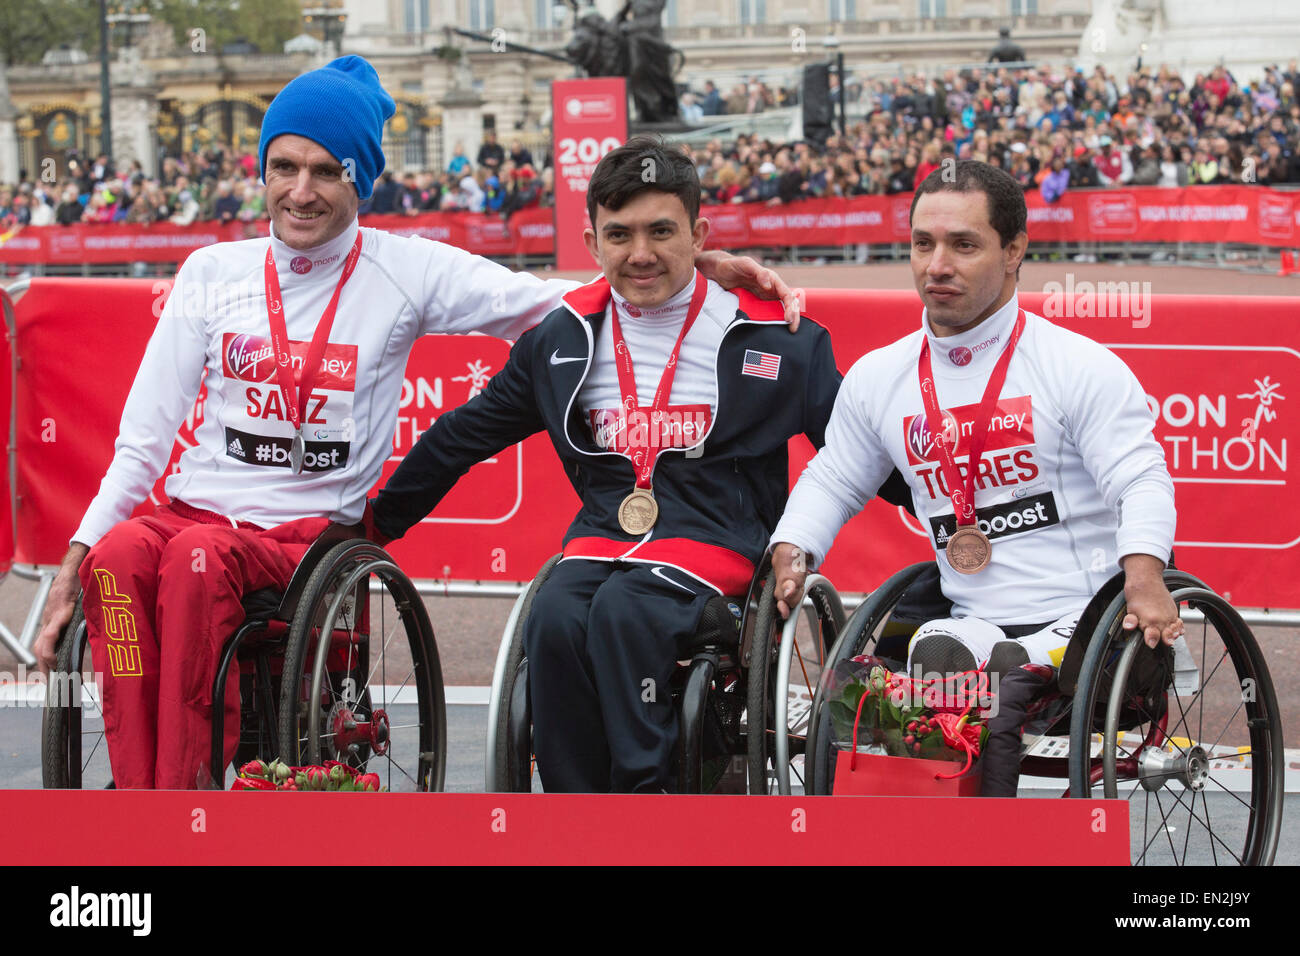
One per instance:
(214,330)
(1071,478)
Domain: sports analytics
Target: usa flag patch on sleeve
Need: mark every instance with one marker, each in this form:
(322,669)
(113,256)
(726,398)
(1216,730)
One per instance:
(761,364)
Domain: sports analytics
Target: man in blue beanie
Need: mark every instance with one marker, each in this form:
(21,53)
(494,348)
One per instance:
(301,340)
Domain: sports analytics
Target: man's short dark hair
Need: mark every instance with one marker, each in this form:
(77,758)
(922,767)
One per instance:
(643,162)
(1006,200)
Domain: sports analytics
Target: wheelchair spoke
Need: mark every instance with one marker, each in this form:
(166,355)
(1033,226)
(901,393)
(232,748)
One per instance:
(1206,825)
(1146,815)
(86,763)
(1146,806)
(1248,806)
(1204,644)
(1214,855)
(383,654)
(1165,821)
(393,763)
(1240,704)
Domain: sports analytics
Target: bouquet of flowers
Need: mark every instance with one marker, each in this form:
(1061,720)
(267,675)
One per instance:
(934,718)
(278,775)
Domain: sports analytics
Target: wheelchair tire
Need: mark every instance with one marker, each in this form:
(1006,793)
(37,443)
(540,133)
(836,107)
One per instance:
(776,732)
(856,637)
(71,754)
(509,758)
(343,714)
(1160,751)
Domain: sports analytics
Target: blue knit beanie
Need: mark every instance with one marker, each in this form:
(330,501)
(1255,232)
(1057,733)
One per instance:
(342,107)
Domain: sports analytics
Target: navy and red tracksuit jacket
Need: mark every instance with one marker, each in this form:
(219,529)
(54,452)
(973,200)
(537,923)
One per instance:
(717,505)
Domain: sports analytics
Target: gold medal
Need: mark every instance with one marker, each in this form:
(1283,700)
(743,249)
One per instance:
(969,550)
(638,512)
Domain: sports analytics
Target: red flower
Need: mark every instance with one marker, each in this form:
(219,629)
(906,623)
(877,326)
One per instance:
(958,734)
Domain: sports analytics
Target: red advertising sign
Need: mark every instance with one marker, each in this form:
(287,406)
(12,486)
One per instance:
(155,828)
(589,118)
(1220,389)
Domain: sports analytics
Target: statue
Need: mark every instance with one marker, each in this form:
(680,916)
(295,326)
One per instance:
(631,45)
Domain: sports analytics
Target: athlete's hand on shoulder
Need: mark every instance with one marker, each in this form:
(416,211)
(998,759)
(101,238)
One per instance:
(59,605)
(790,565)
(1151,609)
(731,272)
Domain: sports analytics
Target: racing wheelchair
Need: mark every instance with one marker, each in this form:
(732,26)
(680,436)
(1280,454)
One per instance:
(723,693)
(341,666)
(1190,736)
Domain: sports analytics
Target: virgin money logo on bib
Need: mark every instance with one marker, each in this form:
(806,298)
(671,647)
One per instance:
(300,265)
(680,426)
(251,358)
(959,356)
(1011,426)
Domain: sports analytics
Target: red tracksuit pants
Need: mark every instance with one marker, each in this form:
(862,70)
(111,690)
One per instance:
(161,596)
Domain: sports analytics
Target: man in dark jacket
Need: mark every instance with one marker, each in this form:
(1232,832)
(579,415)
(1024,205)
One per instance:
(670,402)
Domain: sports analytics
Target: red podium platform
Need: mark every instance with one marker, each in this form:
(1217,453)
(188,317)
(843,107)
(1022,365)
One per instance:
(153,828)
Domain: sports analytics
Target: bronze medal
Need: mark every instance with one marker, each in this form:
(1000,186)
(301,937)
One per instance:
(638,512)
(969,550)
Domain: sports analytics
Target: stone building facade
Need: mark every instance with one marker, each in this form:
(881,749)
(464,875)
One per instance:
(168,97)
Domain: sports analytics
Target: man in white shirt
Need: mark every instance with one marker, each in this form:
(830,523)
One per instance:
(301,341)
(1029,450)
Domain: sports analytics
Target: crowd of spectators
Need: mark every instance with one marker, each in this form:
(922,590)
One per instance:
(1051,131)
(222,185)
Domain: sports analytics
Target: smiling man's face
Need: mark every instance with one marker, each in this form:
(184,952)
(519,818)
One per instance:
(647,248)
(307,195)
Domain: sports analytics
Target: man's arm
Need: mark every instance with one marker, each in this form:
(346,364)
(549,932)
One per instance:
(820,389)
(464,292)
(502,414)
(835,486)
(731,272)
(1114,432)
(163,392)
(59,605)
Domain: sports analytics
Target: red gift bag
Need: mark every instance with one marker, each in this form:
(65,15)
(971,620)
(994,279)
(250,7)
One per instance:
(876,775)
(872,775)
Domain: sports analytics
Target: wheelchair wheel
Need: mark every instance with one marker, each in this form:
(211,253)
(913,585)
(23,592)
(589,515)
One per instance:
(859,636)
(509,766)
(1192,737)
(784,669)
(362,683)
(74,752)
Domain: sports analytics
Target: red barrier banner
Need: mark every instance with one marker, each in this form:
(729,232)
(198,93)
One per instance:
(1224,427)
(528,232)
(1252,215)
(178,828)
(589,119)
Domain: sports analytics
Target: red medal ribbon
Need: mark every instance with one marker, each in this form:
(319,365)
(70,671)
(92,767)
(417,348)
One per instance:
(627,384)
(962,490)
(297,394)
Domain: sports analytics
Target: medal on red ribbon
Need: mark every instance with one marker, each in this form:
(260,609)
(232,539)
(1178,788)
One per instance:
(297,391)
(639,511)
(969,549)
